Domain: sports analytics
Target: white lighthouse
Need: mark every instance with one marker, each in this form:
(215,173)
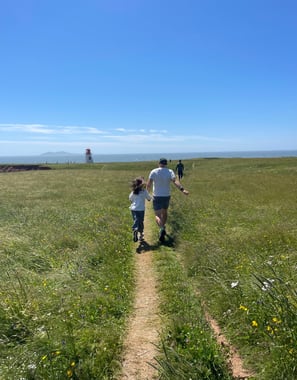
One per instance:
(89,158)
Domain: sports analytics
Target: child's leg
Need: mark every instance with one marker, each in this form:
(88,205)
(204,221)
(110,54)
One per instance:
(135,221)
(140,221)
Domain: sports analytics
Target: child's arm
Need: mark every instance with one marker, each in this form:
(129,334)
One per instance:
(148,196)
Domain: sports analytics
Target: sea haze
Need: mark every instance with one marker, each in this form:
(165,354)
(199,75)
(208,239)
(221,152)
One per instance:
(64,157)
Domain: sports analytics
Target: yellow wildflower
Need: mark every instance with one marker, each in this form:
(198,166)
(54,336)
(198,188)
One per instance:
(244,308)
(254,323)
(275,320)
(69,373)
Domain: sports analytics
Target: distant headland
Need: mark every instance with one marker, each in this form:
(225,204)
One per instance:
(59,154)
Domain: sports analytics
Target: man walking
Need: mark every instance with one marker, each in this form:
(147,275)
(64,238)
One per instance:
(180,169)
(160,178)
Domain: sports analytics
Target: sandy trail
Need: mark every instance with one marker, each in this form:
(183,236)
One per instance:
(143,332)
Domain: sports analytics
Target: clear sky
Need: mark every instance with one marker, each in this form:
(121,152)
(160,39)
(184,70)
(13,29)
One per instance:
(131,76)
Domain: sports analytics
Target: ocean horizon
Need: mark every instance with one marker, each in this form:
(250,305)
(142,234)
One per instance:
(53,158)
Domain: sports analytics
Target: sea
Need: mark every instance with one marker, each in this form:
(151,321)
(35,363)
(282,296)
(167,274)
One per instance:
(62,158)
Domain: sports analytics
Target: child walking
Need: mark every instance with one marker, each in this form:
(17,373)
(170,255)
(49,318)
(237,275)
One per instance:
(137,198)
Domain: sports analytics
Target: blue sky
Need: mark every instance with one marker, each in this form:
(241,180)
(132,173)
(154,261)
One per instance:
(151,76)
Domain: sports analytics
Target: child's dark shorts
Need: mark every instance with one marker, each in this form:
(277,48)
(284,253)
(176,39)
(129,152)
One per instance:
(161,202)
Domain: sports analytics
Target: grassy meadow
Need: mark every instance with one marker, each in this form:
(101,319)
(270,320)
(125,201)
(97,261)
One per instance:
(67,272)
(237,239)
(67,277)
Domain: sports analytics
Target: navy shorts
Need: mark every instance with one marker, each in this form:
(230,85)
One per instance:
(161,202)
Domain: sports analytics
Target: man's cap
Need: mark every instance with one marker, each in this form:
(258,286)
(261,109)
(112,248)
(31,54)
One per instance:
(163,161)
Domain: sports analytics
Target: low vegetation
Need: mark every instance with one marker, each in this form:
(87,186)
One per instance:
(237,238)
(67,276)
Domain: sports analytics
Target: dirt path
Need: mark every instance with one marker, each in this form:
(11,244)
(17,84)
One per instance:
(234,360)
(144,326)
(140,346)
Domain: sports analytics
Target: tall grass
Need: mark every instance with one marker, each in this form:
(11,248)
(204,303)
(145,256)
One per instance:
(189,348)
(237,235)
(67,273)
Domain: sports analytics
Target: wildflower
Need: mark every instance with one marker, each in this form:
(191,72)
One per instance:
(69,372)
(234,284)
(267,284)
(254,323)
(44,357)
(58,353)
(275,320)
(270,329)
(72,364)
(244,308)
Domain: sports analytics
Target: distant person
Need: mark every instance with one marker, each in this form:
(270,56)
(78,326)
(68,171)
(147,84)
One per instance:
(137,198)
(160,178)
(180,169)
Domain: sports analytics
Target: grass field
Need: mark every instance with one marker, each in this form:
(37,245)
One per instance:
(67,276)
(237,236)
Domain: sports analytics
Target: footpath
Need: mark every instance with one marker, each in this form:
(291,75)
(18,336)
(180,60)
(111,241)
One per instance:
(140,345)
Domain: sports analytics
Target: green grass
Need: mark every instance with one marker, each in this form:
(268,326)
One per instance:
(67,277)
(67,273)
(189,348)
(237,237)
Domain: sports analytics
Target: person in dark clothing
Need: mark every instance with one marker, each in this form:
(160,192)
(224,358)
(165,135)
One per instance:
(180,169)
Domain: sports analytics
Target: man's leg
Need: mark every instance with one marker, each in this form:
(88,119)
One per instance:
(158,214)
(160,207)
(161,217)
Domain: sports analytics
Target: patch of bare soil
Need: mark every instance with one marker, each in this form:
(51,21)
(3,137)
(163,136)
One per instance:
(21,168)
(143,332)
(234,360)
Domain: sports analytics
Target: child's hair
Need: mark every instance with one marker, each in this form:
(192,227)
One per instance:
(137,185)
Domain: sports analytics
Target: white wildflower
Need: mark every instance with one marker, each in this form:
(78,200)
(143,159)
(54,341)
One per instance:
(234,284)
(267,284)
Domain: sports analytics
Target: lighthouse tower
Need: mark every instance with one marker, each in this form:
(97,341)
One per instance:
(89,158)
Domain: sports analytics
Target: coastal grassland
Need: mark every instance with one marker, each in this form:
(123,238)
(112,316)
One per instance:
(236,235)
(66,280)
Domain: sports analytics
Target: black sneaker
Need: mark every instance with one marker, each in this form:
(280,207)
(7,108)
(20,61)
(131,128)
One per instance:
(135,236)
(162,235)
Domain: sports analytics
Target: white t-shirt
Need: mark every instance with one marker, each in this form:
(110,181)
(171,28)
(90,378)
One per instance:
(138,200)
(161,178)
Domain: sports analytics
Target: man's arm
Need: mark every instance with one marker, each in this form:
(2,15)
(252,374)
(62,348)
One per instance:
(179,186)
(149,184)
